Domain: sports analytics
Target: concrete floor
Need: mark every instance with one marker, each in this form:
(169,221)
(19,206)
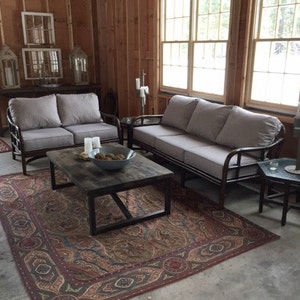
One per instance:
(268,272)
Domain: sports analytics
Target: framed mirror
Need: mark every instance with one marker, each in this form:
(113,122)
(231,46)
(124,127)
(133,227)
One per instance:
(38,28)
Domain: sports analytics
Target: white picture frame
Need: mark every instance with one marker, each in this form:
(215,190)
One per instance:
(42,63)
(38,28)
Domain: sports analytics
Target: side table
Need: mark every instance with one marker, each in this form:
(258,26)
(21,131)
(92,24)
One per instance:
(125,125)
(280,177)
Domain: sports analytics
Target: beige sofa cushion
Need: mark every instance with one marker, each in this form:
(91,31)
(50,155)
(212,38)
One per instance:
(208,119)
(78,108)
(247,129)
(34,113)
(179,111)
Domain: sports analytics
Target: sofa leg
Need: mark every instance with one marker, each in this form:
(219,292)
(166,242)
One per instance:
(182,177)
(222,195)
(24,166)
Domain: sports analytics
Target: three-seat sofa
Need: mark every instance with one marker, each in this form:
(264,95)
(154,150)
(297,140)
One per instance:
(222,143)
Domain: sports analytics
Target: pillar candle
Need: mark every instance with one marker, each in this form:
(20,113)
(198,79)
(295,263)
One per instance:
(9,77)
(96,142)
(137,83)
(88,145)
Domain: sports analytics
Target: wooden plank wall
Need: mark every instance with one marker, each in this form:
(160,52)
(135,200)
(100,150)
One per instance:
(72,23)
(127,45)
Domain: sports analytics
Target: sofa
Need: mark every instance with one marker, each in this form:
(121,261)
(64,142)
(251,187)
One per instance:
(57,121)
(221,143)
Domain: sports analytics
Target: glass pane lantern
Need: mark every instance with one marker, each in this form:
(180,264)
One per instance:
(9,69)
(79,66)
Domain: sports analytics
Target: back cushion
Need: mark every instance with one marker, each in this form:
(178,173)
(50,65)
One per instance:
(208,119)
(247,129)
(179,111)
(78,108)
(34,113)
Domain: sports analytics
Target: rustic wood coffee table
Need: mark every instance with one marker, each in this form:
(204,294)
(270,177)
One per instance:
(95,182)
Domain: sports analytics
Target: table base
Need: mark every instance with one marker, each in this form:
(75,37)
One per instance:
(130,220)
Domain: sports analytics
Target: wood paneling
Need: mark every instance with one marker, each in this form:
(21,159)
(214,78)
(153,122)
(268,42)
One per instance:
(75,13)
(128,45)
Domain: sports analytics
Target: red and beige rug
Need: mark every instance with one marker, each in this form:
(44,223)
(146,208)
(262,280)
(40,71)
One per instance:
(57,258)
(4,147)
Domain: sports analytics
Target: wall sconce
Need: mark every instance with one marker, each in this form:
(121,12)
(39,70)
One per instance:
(79,66)
(9,69)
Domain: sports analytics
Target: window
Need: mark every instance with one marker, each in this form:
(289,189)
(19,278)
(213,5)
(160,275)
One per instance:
(275,58)
(194,42)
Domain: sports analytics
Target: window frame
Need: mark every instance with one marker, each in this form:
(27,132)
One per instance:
(30,63)
(272,107)
(192,41)
(34,36)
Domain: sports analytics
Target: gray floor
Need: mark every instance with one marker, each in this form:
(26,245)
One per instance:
(270,272)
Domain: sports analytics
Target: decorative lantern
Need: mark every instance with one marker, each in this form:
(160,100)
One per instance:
(9,69)
(79,66)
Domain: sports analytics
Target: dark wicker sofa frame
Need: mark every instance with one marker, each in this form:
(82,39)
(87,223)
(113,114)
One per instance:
(271,151)
(28,156)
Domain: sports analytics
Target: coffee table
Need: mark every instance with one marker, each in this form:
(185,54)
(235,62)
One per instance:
(95,182)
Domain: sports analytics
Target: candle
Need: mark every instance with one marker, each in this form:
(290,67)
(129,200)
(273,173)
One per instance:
(96,142)
(77,76)
(88,145)
(137,83)
(9,77)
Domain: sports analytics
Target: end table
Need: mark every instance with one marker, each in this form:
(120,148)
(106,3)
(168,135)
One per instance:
(278,176)
(125,125)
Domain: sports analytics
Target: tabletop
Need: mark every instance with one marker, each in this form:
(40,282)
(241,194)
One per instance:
(280,173)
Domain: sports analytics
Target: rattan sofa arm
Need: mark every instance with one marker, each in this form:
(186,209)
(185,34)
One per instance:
(141,120)
(112,120)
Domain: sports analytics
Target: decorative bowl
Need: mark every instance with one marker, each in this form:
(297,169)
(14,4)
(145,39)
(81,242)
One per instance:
(112,152)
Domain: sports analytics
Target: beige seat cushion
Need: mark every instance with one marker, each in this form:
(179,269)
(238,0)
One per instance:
(179,111)
(46,138)
(208,119)
(78,108)
(176,145)
(34,113)
(149,134)
(247,129)
(210,159)
(103,130)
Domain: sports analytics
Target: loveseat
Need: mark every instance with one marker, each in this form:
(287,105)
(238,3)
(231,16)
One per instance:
(222,143)
(37,125)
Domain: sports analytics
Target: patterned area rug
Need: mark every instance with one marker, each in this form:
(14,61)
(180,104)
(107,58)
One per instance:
(49,237)
(4,147)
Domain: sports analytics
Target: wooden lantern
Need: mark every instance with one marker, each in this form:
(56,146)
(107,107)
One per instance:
(79,66)
(9,69)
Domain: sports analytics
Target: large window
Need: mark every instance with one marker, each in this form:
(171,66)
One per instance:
(194,43)
(199,36)
(275,58)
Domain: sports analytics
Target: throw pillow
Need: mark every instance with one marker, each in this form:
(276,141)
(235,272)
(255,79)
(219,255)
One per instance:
(247,129)
(179,111)
(208,119)
(78,108)
(34,113)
